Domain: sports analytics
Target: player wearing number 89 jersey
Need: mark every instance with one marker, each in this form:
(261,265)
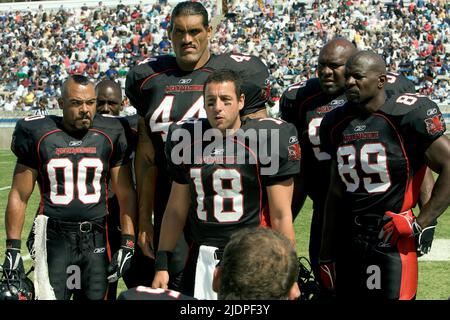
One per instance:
(380,149)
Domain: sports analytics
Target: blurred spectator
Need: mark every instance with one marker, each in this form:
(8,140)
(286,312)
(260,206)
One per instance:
(39,48)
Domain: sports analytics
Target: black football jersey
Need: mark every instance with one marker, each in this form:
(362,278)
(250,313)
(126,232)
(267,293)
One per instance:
(73,172)
(381,156)
(228,177)
(163,93)
(305,105)
(148,293)
(397,84)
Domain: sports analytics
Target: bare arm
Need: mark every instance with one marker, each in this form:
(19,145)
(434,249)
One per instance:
(175,216)
(122,184)
(24,179)
(334,199)
(146,171)
(426,188)
(299,196)
(438,155)
(280,197)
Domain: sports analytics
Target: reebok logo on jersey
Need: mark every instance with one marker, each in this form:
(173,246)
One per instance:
(99,250)
(431,112)
(185,81)
(360,128)
(293,139)
(435,124)
(337,103)
(75,143)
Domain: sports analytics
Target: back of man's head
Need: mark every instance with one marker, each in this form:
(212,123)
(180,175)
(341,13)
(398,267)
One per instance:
(258,264)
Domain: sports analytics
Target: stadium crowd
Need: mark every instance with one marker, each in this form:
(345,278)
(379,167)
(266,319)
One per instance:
(40,48)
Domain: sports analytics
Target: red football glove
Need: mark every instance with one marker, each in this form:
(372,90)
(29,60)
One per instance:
(328,275)
(396,225)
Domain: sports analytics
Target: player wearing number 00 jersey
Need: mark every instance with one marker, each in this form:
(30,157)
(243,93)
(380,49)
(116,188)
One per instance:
(72,171)
(73,175)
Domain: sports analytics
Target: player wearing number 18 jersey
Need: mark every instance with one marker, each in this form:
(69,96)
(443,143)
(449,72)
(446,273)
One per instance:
(380,149)
(227,186)
(167,89)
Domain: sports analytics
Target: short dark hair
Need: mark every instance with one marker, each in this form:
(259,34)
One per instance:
(78,79)
(225,75)
(109,84)
(258,263)
(189,8)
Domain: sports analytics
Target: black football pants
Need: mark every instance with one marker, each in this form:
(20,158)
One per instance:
(77,260)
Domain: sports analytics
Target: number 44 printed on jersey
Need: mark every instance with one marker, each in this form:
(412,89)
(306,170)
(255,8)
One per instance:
(160,119)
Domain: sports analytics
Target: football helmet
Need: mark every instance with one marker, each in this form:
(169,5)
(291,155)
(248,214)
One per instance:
(309,287)
(16,287)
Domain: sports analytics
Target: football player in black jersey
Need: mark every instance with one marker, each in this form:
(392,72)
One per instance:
(239,181)
(380,150)
(168,88)
(72,158)
(110,102)
(305,105)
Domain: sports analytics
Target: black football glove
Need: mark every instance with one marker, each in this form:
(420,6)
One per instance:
(122,259)
(13,264)
(424,237)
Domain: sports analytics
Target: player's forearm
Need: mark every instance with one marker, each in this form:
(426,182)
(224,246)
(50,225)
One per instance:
(171,230)
(128,212)
(14,216)
(283,224)
(146,173)
(146,194)
(439,201)
(426,188)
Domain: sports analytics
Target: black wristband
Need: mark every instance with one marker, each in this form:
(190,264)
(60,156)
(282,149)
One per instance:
(127,241)
(162,260)
(13,244)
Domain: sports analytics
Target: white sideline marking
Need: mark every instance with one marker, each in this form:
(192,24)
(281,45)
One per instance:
(5,188)
(440,251)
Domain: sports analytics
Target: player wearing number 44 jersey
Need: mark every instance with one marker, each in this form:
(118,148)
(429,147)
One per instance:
(167,89)
(380,149)
(72,158)
(243,179)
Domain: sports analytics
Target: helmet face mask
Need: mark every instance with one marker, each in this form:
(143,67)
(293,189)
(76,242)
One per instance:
(17,287)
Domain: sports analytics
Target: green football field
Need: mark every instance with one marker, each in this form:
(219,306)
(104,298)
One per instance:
(434,279)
